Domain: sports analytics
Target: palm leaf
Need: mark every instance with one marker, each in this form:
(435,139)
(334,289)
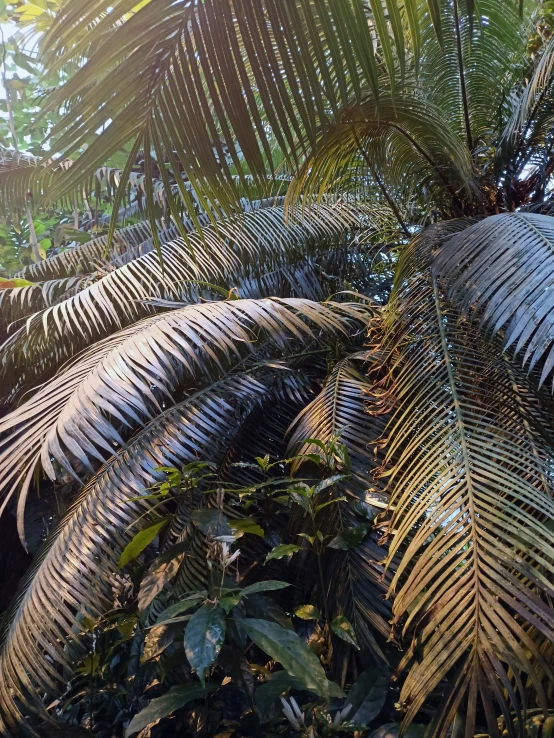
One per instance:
(240,249)
(194,104)
(127,243)
(471,504)
(355,579)
(127,377)
(469,78)
(73,575)
(502,271)
(391,139)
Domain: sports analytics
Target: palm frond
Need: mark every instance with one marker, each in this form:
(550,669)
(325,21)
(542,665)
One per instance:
(529,104)
(339,409)
(17,171)
(309,63)
(502,271)
(240,250)
(128,243)
(77,259)
(128,376)
(470,76)
(355,579)
(389,140)
(74,574)
(471,505)
(20,302)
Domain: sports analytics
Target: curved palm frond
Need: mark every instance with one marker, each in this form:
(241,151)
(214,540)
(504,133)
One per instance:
(241,249)
(471,505)
(17,171)
(128,243)
(128,376)
(199,83)
(339,409)
(73,576)
(18,303)
(389,140)
(502,270)
(531,109)
(77,259)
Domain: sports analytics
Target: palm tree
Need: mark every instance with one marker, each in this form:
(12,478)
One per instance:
(413,136)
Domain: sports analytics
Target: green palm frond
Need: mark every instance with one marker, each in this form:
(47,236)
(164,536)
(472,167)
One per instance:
(17,171)
(532,108)
(211,88)
(390,139)
(502,270)
(469,462)
(470,82)
(239,251)
(122,381)
(73,576)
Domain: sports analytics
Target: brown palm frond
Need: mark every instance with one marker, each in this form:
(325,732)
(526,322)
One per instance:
(469,461)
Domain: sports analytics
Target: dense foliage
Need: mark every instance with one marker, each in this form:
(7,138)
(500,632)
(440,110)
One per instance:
(277,435)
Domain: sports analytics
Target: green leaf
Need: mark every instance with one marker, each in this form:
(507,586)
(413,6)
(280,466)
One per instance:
(247,525)
(229,601)
(268,693)
(158,639)
(183,606)
(288,649)
(90,665)
(204,637)
(285,549)
(307,612)
(265,608)
(211,522)
(268,586)
(165,705)
(329,502)
(367,696)
(349,537)
(139,542)
(8,284)
(157,576)
(343,629)
(329,482)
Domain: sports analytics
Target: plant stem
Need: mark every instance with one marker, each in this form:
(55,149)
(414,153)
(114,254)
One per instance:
(462,77)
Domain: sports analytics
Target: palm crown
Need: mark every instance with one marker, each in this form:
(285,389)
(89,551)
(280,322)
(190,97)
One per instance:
(397,156)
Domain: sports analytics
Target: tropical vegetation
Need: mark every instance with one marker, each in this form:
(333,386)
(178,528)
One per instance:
(277,436)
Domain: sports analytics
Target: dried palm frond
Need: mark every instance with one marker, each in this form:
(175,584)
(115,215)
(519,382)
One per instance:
(469,459)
